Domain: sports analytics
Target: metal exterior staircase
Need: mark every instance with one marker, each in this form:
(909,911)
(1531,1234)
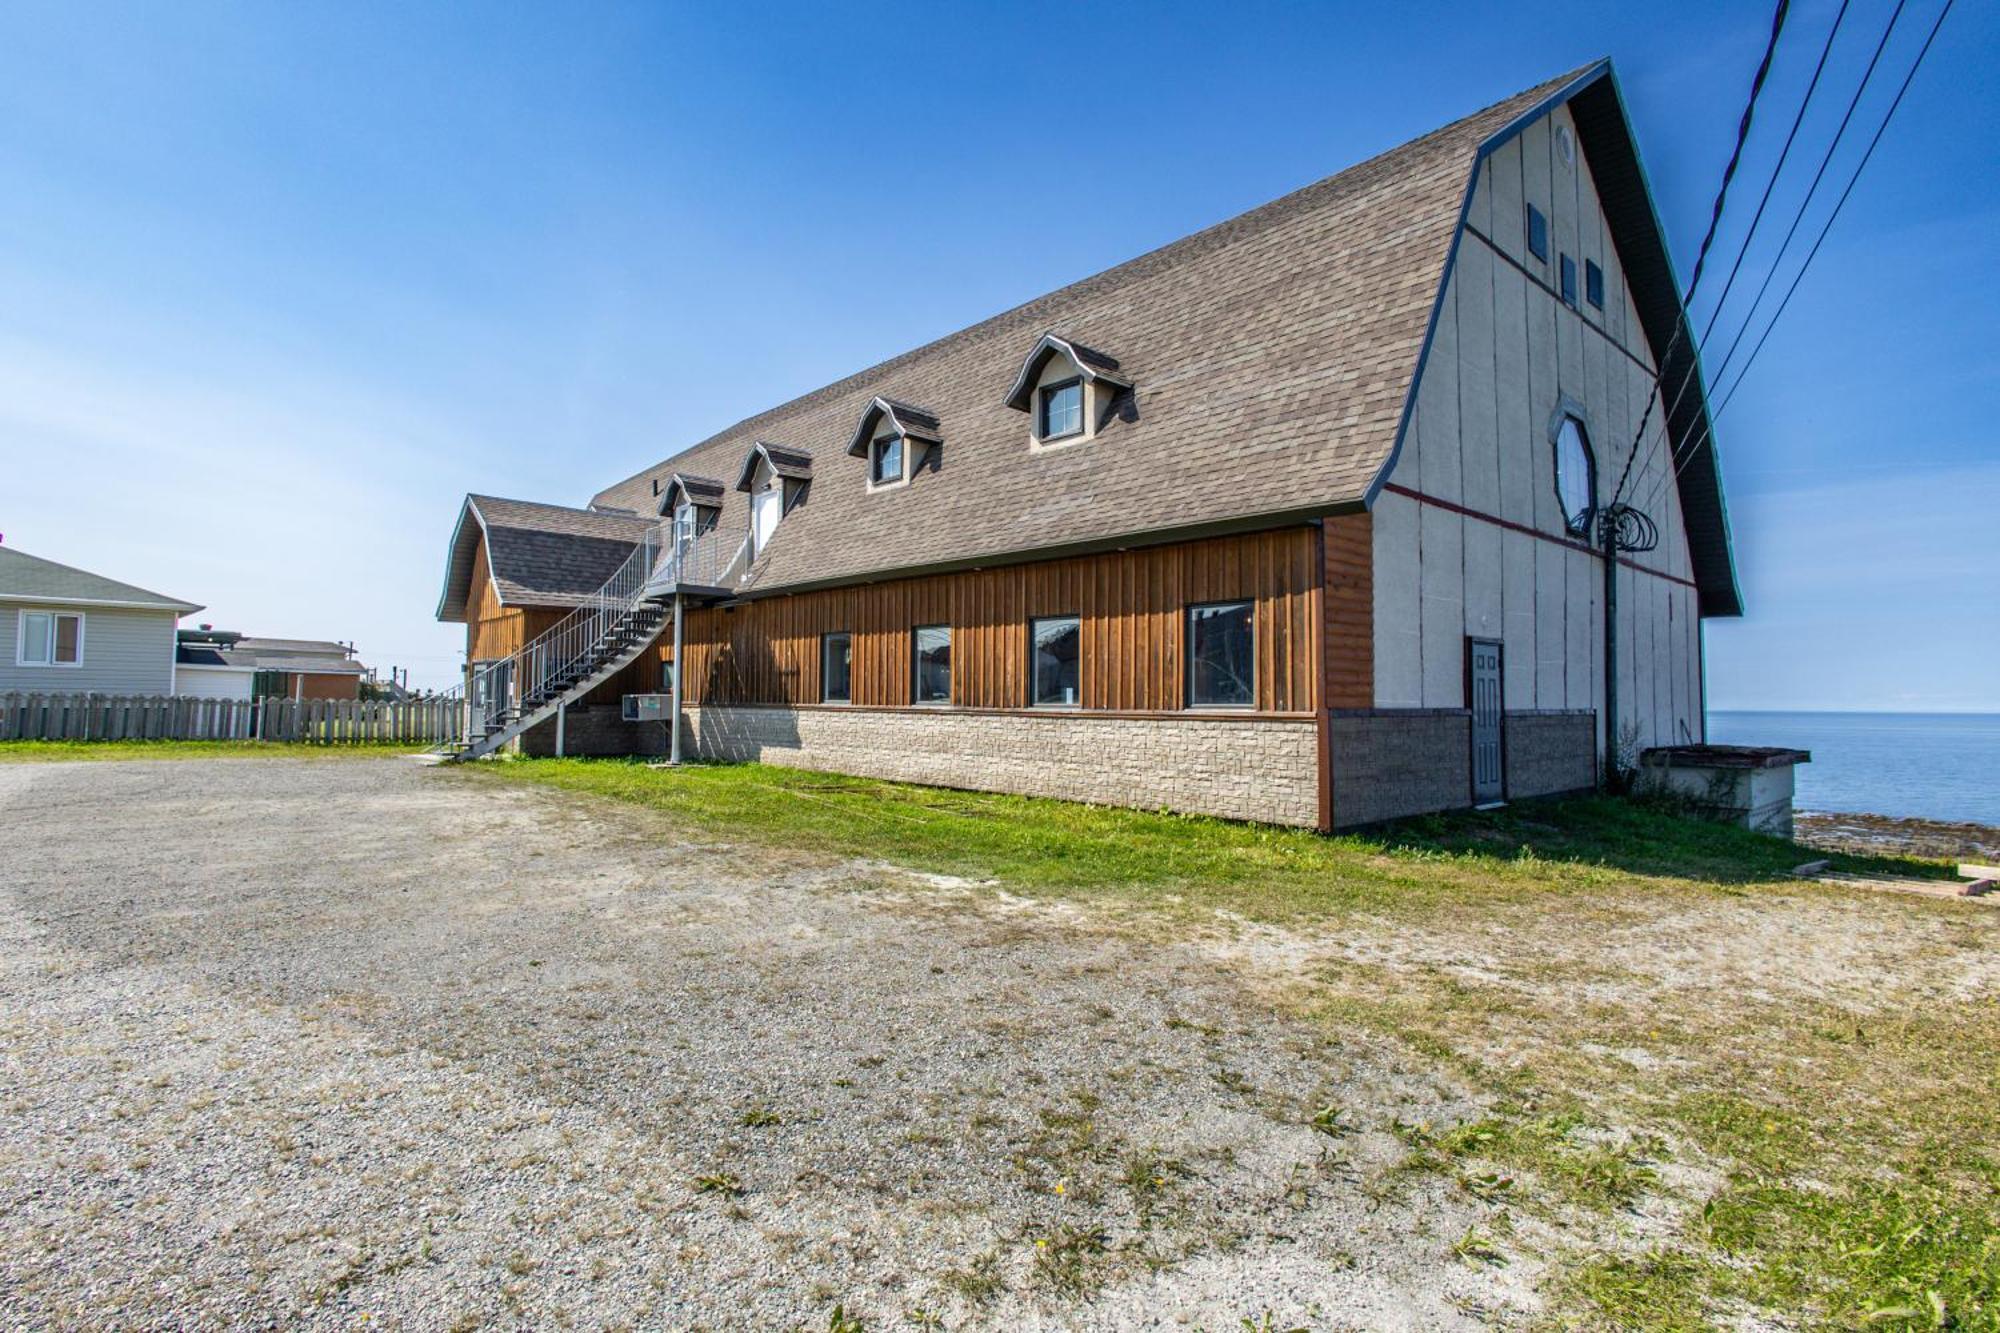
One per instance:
(612,629)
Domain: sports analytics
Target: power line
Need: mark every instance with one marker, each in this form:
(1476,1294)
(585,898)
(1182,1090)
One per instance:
(1680,455)
(1838,205)
(1706,433)
(1776,171)
(1826,161)
(1714,221)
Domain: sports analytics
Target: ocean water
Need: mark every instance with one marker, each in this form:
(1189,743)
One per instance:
(1926,765)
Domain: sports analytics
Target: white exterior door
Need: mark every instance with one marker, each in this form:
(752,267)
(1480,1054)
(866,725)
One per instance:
(764,512)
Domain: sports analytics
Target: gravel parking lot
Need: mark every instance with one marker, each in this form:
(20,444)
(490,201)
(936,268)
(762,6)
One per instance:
(303,1042)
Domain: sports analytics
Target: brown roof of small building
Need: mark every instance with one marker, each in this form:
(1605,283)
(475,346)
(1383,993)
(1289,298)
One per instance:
(539,554)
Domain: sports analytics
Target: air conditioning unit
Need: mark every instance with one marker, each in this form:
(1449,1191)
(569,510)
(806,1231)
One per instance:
(646,707)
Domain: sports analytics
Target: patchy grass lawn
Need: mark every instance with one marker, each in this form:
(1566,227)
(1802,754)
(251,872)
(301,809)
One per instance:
(26,752)
(1713,1093)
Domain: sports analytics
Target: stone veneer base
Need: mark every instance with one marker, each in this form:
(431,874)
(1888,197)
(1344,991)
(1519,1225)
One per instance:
(1238,768)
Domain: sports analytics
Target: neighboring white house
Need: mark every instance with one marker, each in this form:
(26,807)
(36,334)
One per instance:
(65,630)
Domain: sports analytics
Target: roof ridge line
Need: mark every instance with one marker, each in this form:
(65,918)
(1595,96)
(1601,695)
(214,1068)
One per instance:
(1185,246)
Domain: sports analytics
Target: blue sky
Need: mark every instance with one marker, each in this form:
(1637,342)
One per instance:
(278,283)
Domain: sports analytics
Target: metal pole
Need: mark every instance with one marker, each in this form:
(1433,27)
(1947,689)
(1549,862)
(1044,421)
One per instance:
(674,744)
(1609,778)
(562,712)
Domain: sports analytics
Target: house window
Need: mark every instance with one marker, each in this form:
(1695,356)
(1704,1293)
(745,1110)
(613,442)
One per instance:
(1221,655)
(683,527)
(1593,283)
(885,460)
(1569,282)
(836,668)
(1062,410)
(1576,475)
(1538,234)
(1054,645)
(49,638)
(932,673)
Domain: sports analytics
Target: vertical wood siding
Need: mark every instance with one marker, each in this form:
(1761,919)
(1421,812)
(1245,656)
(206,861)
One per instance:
(1132,606)
(1350,611)
(493,630)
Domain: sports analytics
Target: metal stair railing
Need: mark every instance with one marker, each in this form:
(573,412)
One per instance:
(498,698)
(706,562)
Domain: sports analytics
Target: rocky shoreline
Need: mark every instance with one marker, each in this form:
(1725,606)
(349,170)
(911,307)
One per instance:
(1886,835)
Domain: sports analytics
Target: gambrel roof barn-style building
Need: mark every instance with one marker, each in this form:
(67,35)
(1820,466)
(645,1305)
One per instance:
(1292,520)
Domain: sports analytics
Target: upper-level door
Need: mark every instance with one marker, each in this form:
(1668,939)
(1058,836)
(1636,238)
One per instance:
(765,509)
(683,528)
(1483,696)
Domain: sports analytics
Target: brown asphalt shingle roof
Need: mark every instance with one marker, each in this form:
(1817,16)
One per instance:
(1275,350)
(540,554)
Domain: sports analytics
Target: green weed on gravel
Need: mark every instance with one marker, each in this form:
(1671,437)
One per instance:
(1524,853)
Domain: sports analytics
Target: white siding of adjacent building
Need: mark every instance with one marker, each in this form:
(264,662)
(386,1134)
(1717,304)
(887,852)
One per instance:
(1506,356)
(209,682)
(125,651)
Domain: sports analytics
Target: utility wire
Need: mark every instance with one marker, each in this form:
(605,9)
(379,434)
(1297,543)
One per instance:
(1776,171)
(1691,445)
(1688,377)
(1853,179)
(1714,221)
(1838,205)
(1813,191)
(1749,236)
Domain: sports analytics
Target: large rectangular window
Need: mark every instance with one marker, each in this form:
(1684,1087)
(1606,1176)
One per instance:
(1062,410)
(1569,282)
(932,665)
(1538,234)
(836,668)
(49,638)
(1593,283)
(1054,647)
(1222,657)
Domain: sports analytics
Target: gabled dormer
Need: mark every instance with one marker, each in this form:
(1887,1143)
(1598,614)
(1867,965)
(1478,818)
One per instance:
(1067,390)
(777,478)
(898,439)
(693,504)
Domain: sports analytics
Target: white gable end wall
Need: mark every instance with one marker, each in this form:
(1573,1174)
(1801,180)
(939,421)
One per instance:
(1468,532)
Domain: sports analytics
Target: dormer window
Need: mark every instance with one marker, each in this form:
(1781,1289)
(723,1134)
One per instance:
(1062,410)
(885,461)
(691,505)
(1067,389)
(898,440)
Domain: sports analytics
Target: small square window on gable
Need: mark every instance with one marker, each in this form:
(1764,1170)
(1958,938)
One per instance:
(1538,234)
(897,440)
(1067,389)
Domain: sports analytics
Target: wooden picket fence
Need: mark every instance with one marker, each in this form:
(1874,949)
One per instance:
(116,717)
